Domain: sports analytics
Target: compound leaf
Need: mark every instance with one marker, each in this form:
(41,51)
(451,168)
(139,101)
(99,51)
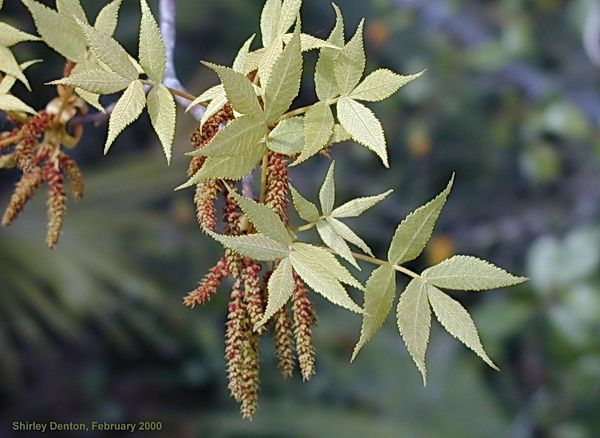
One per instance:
(358,206)
(306,209)
(414,322)
(163,115)
(469,274)
(334,241)
(414,232)
(363,126)
(350,64)
(379,297)
(126,111)
(238,89)
(381,84)
(153,55)
(318,127)
(254,246)
(280,289)
(457,321)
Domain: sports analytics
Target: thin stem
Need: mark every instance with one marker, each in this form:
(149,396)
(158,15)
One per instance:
(173,91)
(10,140)
(305,227)
(300,111)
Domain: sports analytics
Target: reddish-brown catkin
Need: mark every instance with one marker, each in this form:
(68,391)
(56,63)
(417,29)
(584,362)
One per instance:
(304,318)
(253,293)
(208,286)
(30,134)
(234,341)
(57,202)
(284,349)
(74,172)
(278,188)
(206,196)
(24,190)
(250,371)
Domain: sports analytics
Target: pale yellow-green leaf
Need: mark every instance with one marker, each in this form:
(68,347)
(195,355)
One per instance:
(269,21)
(229,167)
(289,11)
(254,246)
(350,64)
(126,111)
(280,289)
(1,3)
(163,115)
(414,232)
(253,60)
(153,55)
(327,192)
(457,321)
(339,135)
(334,241)
(10,66)
(71,9)
(318,127)
(363,126)
(215,105)
(92,99)
(381,84)
(240,59)
(347,234)
(284,83)
(264,219)
(309,42)
(59,32)
(379,297)
(287,137)
(470,274)
(328,261)
(325,82)
(8,81)
(108,17)
(413,316)
(96,80)
(306,209)
(212,93)
(12,103)
(9,36)
(236,138)
(358,206)
(265,60)
(319,279)
(110,52)
(238,89)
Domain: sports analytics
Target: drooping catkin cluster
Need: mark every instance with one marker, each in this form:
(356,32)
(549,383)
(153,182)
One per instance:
(42,162)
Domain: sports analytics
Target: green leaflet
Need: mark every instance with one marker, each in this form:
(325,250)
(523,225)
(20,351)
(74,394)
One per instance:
(328,261)
(240,59)
(269,21)
(210,94)
(287,137)
(67,41)
(9,36)
(230,167)
(363,126)
(327,192)
(71,9)
(254,246)
(107,18)
(339,135)
(214,107)
(91,98)
(457,321)
(110,52)
(238,89)
(265,60)
(350,64)
(280,288)
(237,137)
(469,274)
(322,281)
(325,82)
(306,209)
(8,81)
(153,55)
(11,103)
(10,66)
(379,297)
(347,234)
(335,242)
(163,115)
(95,80)
(381,84)
(309,42)
(290,9)
(318,127)
(284,83)
(414,322)
(1,3)
(264,219)
(126,111)
(414,232)
(358,206)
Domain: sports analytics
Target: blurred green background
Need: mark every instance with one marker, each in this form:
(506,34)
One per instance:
(95,330)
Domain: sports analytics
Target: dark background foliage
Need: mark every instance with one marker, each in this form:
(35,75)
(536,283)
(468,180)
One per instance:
(96,331)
